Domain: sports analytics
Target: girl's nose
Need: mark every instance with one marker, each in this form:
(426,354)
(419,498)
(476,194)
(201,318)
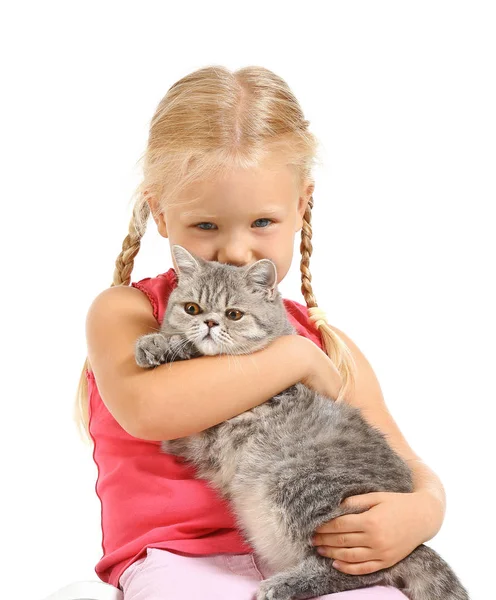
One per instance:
(238,259)
(236,254)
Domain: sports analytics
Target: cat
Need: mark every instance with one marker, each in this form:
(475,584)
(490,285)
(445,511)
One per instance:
(286,465)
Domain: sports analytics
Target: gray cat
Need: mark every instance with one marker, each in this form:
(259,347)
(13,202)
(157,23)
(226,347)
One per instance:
(287,464)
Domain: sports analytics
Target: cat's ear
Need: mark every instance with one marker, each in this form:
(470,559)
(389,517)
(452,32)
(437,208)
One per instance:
(185,263)
(263,274)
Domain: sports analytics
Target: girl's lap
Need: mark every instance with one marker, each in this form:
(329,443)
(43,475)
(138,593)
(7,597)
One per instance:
(163,575)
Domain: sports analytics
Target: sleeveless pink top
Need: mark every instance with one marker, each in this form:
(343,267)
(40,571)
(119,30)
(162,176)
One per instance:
(147,498)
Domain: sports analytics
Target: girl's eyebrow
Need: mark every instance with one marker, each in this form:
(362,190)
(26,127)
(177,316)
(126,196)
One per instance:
(272,210)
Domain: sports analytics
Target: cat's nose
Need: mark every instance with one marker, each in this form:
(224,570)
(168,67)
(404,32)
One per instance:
(211,323)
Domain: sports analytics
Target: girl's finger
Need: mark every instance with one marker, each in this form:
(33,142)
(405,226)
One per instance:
(363,568)
(348,555)
(343,524)
(341,540)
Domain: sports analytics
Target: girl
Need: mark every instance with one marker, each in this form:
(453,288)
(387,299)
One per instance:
(227,175)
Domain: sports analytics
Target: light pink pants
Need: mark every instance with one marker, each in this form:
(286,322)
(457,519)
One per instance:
(163,575)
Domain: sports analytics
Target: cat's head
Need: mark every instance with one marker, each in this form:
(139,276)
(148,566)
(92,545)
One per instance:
(225,309)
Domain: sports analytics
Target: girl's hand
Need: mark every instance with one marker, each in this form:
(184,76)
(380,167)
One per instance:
(322,374)
(391,529)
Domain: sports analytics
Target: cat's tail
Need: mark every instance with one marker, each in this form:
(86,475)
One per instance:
(424,575)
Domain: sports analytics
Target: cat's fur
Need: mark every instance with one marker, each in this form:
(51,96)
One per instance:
(285,465)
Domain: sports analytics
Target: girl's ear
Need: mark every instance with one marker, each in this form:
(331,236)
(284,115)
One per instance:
(302,205)
(158,216)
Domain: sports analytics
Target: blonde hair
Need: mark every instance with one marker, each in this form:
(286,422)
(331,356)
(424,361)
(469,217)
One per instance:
(209,122)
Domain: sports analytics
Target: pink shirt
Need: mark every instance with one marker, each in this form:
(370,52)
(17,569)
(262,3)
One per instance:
(148,499)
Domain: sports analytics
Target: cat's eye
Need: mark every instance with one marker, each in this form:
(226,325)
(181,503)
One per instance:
(192,308)
(234,314)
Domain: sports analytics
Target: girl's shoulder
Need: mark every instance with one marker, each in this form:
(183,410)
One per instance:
(158,289)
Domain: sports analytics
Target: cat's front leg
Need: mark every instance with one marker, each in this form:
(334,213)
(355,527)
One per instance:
(156,349)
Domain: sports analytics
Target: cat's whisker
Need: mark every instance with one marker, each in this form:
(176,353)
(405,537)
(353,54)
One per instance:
(231,354)
(246,351)
(177,347)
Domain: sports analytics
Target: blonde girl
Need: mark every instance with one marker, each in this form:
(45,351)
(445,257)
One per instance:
(227,174)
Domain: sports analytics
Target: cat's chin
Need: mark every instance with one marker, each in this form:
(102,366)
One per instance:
(208,347)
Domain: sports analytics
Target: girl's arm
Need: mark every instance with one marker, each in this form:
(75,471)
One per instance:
(393,524)
(367,396)
(180,398)
(184,397)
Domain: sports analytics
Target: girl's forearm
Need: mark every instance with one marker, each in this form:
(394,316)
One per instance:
(428,484)
(184,397)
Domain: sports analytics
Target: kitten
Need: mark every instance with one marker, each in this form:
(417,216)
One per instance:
(287,464)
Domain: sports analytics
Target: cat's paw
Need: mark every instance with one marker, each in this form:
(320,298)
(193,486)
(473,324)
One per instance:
(274,588)
(151,350)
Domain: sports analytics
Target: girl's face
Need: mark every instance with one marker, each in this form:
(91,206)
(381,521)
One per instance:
(238,220)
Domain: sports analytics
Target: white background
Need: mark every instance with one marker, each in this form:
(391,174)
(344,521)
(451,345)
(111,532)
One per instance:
(402,97)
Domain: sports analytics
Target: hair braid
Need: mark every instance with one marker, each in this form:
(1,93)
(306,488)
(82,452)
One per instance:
(334,346)
(131,244)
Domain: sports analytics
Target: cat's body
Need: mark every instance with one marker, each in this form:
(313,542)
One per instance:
(273,485)
(286,465)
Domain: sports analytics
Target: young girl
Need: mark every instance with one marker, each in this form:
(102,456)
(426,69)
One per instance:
(227,175)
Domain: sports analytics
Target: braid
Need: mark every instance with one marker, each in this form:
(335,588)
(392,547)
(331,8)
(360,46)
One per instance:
(334,346)
(131,244)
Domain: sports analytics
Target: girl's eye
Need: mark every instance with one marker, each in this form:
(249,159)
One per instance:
(203,224)
(209,229)
(234,314)
(264,220)
(192,308)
